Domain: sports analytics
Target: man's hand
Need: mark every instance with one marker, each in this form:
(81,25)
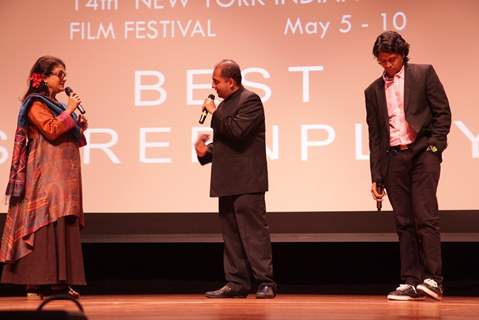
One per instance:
(209,105)
(200,145)
(374,192)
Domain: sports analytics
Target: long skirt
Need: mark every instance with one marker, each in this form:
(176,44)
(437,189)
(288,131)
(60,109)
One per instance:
(56,258)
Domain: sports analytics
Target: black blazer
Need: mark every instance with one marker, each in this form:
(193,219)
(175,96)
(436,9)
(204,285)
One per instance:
(238,151)
(427,111)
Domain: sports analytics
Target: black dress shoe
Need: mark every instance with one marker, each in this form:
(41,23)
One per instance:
(226,292)
(265,292)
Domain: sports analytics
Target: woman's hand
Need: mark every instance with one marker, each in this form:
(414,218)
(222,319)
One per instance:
(73,102)
(83,122)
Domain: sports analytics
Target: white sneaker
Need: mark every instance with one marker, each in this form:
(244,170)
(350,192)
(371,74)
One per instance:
(406,292)
(430,288)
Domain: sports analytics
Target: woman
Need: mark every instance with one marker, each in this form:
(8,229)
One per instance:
(41,240)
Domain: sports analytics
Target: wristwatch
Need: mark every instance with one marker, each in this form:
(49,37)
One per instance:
(432,148)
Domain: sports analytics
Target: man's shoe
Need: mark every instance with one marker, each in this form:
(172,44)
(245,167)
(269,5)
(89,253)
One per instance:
(226,292)
(430,288)
(406,292)
(265,292)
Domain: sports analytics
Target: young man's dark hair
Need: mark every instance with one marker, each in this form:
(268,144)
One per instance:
(391,42)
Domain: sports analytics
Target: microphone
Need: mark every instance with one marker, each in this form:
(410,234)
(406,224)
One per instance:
(69,91)
(379,189)
(204,112)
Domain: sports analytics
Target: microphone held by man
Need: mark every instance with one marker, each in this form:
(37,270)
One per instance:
(377,191)
(208,107)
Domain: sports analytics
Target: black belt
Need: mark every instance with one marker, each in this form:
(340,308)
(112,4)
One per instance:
(400,147)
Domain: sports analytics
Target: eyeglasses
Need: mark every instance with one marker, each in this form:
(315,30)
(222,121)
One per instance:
(61,75)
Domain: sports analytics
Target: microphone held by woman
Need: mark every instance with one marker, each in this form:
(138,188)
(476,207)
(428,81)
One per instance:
(69,91)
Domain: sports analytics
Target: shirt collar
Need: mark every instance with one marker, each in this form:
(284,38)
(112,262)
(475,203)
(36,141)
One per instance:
(234,93)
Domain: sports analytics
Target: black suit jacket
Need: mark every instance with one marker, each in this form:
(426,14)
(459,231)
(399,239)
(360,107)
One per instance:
(427,111)
(238,151)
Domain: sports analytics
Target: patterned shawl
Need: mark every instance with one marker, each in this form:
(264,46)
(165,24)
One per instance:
(16,183)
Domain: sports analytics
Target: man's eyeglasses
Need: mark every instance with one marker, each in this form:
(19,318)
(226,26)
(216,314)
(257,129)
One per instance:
(61,74)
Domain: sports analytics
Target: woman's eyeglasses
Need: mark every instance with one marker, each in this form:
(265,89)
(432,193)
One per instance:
(61,74)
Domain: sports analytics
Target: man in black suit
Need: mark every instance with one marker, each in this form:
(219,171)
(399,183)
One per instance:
(408,116)
(239,177)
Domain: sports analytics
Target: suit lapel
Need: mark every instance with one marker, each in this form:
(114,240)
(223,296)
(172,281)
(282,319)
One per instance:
(225,107)
(230,105)
(408,83)
(382,104)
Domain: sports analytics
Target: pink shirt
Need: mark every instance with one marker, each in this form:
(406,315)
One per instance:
(400,132)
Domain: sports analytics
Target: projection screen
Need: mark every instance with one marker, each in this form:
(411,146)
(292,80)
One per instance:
(143,68)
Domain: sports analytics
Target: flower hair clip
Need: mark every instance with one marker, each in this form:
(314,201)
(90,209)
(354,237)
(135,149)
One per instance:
(36,79)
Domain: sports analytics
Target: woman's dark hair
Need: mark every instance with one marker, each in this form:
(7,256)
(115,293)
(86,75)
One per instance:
(43,67)
(391,42)
(230,69)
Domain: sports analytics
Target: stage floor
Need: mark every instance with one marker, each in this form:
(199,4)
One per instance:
(287,307)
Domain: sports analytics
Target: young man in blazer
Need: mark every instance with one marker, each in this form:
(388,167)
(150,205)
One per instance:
(239,178)
(408,116)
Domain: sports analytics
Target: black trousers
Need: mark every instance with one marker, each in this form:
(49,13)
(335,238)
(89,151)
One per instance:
(247,244)
(411,184)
